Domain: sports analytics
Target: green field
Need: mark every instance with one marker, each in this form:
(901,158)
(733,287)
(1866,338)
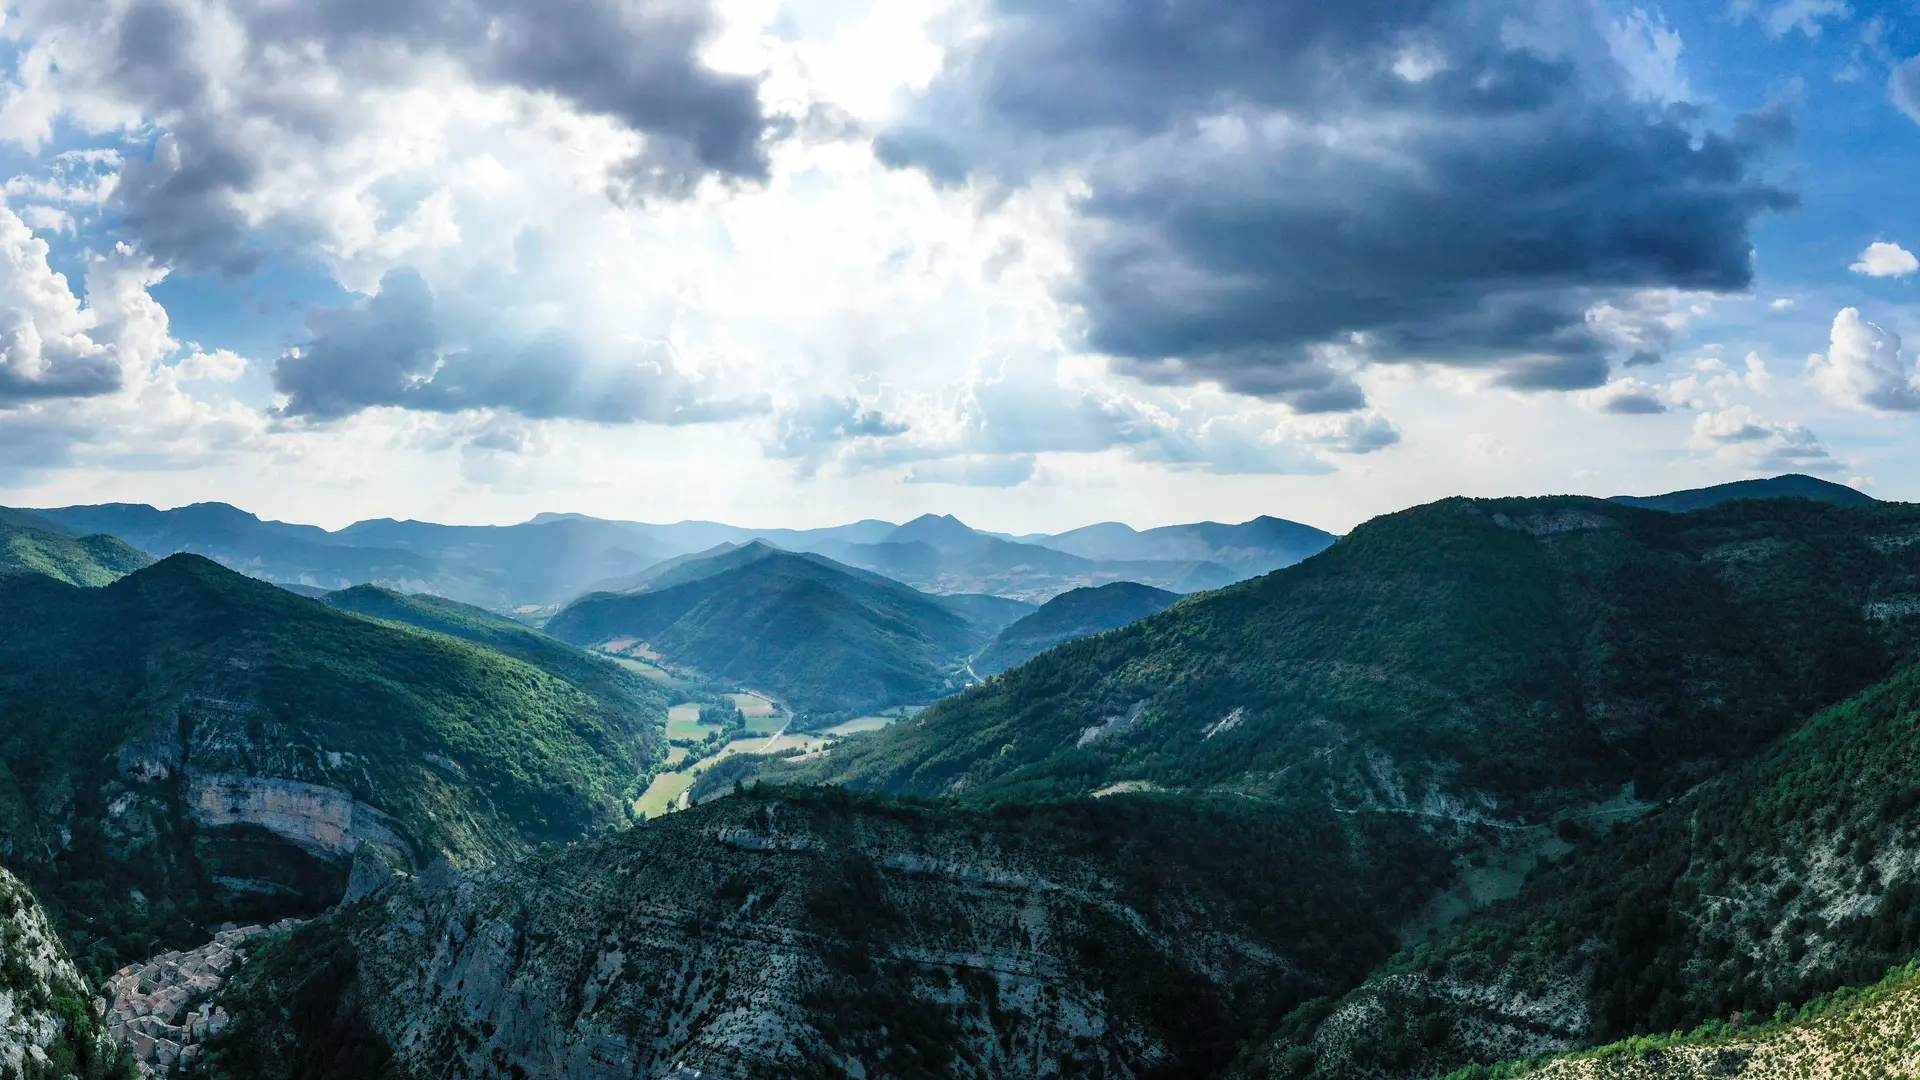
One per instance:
(663,794)
(683,724)
(859,724)
(763,717)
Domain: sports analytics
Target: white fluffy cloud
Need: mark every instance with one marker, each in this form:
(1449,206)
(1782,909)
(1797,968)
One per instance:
(1740,435)
(1863,368)
(1882,259)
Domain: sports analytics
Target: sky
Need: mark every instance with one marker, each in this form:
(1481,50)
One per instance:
(1036,263)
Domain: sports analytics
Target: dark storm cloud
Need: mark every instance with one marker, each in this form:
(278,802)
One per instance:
(389,351)
(636,61)
(1446,180)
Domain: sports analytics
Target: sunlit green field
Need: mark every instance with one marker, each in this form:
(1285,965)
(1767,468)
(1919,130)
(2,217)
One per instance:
(683,724)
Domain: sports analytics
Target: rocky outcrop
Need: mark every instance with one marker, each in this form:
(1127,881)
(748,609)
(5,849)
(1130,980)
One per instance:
(323,821)
(815,933)
(162,1010)
(46,1027)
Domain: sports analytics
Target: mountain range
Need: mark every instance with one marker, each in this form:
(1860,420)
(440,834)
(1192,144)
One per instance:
(1488,788)
(534,568)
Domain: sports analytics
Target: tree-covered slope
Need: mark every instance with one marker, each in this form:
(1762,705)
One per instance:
(599,676)
(1493,659)
(188,745)
(827,639)
(48,1030)
(1773,883)
(76,560)
(816,933)
(1069,617)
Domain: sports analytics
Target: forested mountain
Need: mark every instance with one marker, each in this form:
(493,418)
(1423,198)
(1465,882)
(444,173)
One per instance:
(25,547)
(813,933)
(1773,883)
(597,675)
(1069,617)
(1789,486)
(829,640)
(1481,659)
(188,745)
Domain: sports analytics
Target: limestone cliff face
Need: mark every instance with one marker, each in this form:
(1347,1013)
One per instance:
(48,1027)
(786,935)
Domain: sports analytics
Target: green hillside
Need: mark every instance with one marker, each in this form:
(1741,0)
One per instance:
(790,933)
(1467,660)
(188,745)
(828,640)
(604,679)
(1069,617)
(1773,883)
(76,560)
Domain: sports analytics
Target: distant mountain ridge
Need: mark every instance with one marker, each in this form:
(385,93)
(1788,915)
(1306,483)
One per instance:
(536,567)
(1789,486)
(830,640)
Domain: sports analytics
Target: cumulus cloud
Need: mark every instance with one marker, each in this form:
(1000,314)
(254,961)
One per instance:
(1272,189)
(1740,434)
(1624,397)
(1882,259)
(243,92)
(391,350)
(1863,369)
(50,346)
(90,383)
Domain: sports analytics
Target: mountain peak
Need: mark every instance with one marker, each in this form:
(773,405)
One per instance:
(943,532)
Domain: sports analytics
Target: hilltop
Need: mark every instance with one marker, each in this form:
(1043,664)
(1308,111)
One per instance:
(1069,617)
(188,745)
(1789,486)
(829,640)
(33,545)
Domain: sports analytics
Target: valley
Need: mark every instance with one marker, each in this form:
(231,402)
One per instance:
(1490,788)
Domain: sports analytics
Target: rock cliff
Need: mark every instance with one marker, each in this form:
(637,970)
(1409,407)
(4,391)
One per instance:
(48,1029)
(814,933)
